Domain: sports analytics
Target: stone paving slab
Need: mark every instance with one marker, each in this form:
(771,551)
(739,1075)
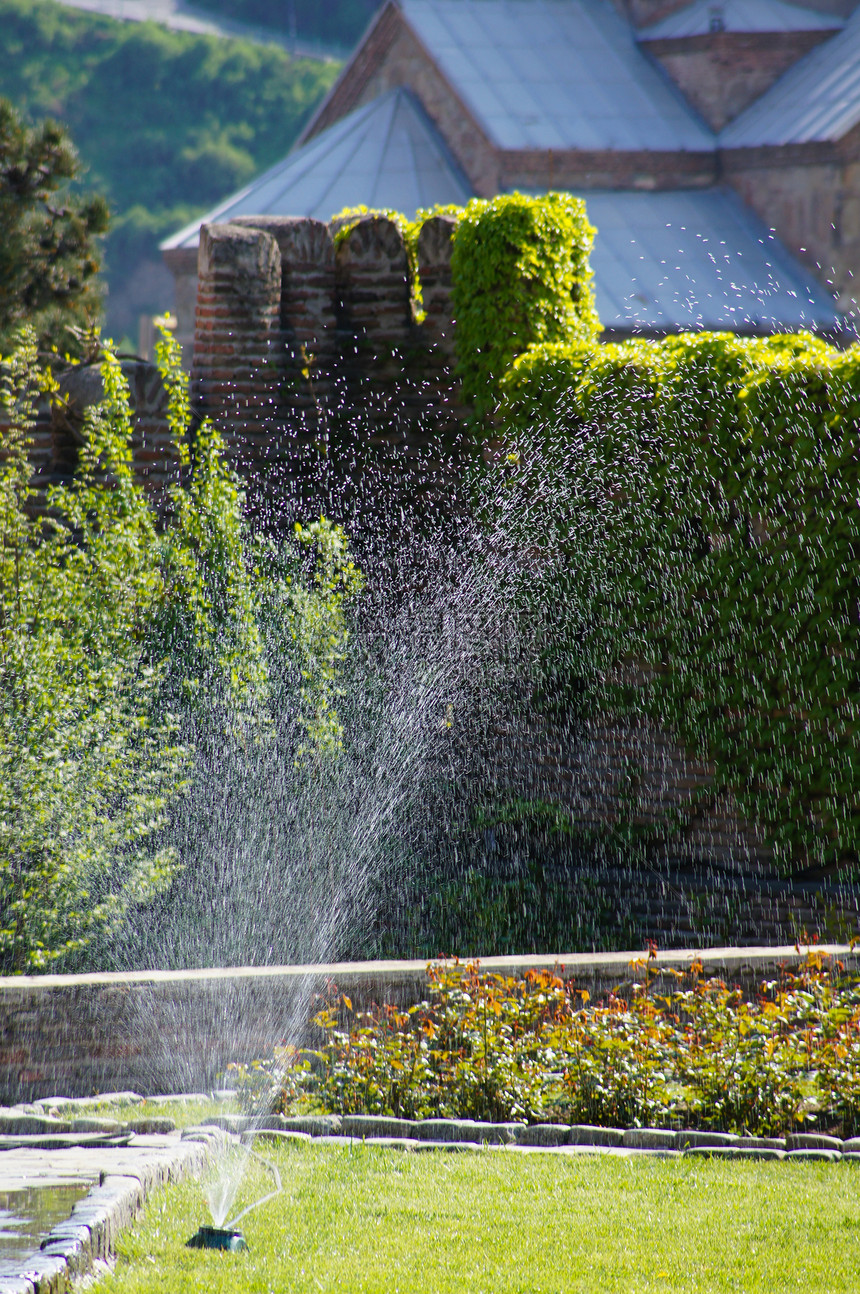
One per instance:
(119,1177)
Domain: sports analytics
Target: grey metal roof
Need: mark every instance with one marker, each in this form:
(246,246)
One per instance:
(385,154)
(739,15)
(697,259)
(662,261)
(555,74)
(817,99)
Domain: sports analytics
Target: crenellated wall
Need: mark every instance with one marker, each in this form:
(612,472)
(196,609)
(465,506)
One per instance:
(305,339)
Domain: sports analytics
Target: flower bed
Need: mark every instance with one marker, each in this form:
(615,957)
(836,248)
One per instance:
(672,1050)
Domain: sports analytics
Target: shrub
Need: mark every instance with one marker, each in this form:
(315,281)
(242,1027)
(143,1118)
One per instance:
(692,1052)
(520,277)
(89,761)
(120,642)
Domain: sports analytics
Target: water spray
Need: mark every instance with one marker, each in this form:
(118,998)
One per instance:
(229,1237)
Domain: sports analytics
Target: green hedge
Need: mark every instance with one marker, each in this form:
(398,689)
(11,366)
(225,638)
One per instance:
(700,495)
(521,277)
(695,500)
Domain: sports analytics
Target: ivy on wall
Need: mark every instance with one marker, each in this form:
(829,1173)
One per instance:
(521,276)
(700,495)
(696,501)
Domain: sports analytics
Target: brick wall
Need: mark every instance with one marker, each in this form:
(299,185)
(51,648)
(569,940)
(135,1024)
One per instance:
(722,73)
(609,773)
(580,170)
(308,351)
(59,431)
(307,345)
(810,195)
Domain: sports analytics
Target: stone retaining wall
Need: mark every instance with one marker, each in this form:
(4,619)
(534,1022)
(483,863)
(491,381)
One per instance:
(168,1031)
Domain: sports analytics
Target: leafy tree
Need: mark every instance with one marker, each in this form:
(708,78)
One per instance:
(49,254)
(87,765)
(114,638)
(167,122)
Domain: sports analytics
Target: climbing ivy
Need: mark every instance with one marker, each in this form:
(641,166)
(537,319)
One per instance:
(521,276)
(699,497)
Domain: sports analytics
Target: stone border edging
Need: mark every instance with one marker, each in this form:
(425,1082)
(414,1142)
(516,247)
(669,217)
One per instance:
(90,1233)
(474,1134)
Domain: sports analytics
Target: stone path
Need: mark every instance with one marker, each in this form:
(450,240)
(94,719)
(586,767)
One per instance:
(119,1177)
(144,1158)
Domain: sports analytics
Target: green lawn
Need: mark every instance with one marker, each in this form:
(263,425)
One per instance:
(373,1219)
(183,1113)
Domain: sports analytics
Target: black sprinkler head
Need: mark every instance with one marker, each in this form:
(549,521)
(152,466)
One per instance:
(217,1238)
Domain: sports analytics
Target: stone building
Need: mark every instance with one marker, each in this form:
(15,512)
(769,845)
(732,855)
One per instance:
(717,145)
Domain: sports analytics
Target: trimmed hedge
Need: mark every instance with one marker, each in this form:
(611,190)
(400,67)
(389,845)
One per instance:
(701,494)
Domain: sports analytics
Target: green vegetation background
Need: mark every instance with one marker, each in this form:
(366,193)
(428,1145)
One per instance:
(167,123)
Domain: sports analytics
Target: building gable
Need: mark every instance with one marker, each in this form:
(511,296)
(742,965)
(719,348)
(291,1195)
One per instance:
(816,101)
(392,55)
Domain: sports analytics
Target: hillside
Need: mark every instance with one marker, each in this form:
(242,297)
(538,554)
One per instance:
(333,22)
(167,123)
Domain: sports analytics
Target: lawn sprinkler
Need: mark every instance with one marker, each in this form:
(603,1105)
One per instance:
(229,1237)
(218,1238)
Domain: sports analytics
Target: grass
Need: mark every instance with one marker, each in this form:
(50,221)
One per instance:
(367,1219)
(184,1114)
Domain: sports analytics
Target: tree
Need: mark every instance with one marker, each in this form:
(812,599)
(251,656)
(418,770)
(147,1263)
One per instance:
(49,253)
(120,643)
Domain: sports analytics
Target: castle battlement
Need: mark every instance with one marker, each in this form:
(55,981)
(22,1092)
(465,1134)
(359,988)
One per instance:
(301,329)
